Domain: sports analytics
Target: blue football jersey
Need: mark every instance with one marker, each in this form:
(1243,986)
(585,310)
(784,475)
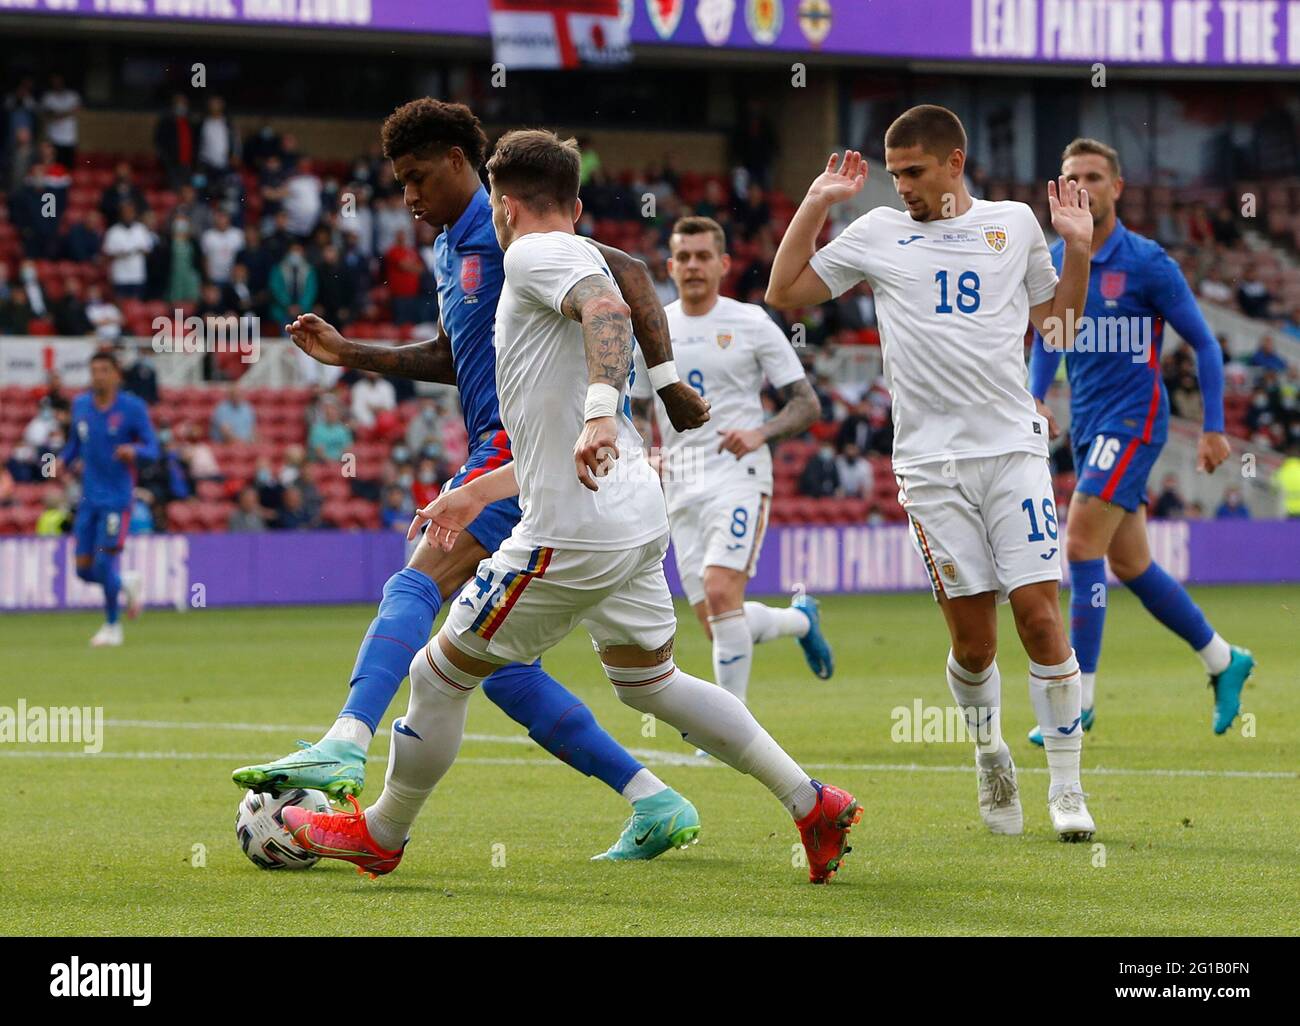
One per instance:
(94,436)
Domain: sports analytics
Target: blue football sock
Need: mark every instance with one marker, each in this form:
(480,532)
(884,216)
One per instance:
(399,630)
(1087,610)
(1169,603)
(104,570)
(558,721)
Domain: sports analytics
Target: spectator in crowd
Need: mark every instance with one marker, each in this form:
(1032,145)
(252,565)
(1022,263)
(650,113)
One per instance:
(183,279)
(189,207)
(174,141)
(855,429)
(59,106)
(248,516)
(1252,294)
(217,139)
(1224,227)
(391,219)
(337,293)
(424,432)
(122,191)
(426,486)
(1266,356)
(329,438)
(21,109)
(403,269)
(126,245)
(69,311)
(397,511)
(197,454)
(221,245)
(294,514)
(138,376)
(372,397)
(293,286)
(42,430)
(84,239)
(1169,504)
(302,200)
(234,419)
(21,156)
(103,314)
(15,314)
(820,478)
(262,145)
(1214,288)
(857,479)
(238,295)
(55,517)
(1233,506)
(257,259)
(29,281)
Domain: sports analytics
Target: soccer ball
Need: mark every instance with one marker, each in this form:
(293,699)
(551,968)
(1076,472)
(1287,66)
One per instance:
(261,831)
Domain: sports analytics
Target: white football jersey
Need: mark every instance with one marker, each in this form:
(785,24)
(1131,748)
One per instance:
(541,366)
(724,355)
(953,299)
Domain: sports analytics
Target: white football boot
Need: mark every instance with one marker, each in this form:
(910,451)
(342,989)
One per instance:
(109,635)
(1000,799)
(1070,818)
(131,587)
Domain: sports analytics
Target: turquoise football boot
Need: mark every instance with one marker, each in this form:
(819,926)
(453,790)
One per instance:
(334,766)
(662,821)
(1086,717)
(816,649)
(1227,688)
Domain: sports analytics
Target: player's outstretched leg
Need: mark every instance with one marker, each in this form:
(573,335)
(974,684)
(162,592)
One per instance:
(719,723)
(1227,665)
(978,693)
(336,764)
(801,620)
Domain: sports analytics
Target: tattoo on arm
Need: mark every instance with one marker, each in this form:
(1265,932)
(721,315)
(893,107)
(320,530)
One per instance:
(606,329)
(649,322)
(798,413)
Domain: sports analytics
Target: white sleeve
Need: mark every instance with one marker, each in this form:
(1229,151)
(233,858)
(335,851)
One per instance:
(544,267)
(776,355)
(1040,275)
(640,377)
(843,262)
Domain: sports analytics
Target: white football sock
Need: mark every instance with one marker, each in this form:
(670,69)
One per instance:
(1054,693)
(1087,689)
(979,696)
(349,728)
(1216,656)
(768,622)
(717,722)
(425,743)
(642,785)
(733,651)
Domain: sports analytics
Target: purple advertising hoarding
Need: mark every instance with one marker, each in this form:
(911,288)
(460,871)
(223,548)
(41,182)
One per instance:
(196,571)
(1189,33)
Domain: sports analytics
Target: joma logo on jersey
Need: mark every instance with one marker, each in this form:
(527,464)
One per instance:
(995,236)
(724,339)
(471,273)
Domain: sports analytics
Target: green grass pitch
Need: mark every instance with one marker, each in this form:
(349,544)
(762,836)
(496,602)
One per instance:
(1199,832)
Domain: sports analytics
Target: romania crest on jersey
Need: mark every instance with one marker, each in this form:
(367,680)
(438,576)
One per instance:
(995,237)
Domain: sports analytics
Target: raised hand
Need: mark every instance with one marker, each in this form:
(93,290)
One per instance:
(1071,218)
(841,180)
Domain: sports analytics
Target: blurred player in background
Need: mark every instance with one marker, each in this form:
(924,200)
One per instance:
(436,151)
(719,484)
(955,279)
(589,549)
(1119,419)
(110,433)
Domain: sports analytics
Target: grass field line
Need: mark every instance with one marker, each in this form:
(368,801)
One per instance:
(653,757)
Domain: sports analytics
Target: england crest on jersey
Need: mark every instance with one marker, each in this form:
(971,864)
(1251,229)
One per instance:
(1112,284)
(471,274)
(995,237)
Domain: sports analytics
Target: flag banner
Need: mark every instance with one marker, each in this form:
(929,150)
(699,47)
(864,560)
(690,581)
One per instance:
(558,33)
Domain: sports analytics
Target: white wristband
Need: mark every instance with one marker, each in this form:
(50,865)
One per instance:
(663,375)
(602,401)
